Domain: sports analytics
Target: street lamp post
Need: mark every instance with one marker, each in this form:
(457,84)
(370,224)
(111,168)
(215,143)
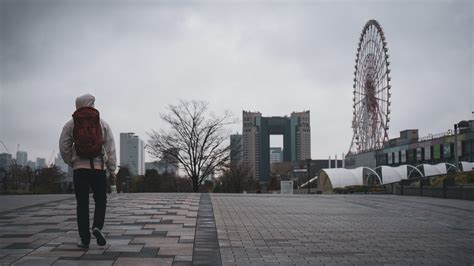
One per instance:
(308,161)
(456,158)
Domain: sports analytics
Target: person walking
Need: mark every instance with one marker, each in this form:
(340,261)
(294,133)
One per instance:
(87,145)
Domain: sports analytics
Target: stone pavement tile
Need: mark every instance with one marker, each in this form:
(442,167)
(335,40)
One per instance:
(185,251)
(121,241)
(12,202)
(125,248)
(49,231)
(15,251)
(155,240)
(123,227)
(182,263)
(181,232)
(183,258)
(57,253)
(104,256)
(163,226)
(10,258)
(347,229)
(95,251)
(31,245)
(176,245)
(83,262)
(138,232)
(143,261)
(36,261)
(144,253)
(17,240)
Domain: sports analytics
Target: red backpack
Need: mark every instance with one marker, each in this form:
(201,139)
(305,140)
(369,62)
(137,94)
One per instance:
(87,133)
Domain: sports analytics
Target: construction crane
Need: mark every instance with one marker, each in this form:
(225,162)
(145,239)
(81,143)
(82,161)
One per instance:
(51,158)
(4,146)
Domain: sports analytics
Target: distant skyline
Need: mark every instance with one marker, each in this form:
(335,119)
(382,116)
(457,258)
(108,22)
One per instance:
(276,58)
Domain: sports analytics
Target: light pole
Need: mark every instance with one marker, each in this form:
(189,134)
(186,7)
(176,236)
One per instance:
(461,125)
(308,161)
(456,147)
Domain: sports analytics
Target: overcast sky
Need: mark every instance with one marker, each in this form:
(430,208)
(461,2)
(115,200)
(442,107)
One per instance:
(242,55)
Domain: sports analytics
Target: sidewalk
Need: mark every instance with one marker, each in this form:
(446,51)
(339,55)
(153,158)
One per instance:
(243,229)
(11,202)
(344,229)
(142,229)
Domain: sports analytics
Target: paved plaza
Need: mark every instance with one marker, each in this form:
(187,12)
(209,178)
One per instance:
(242,229)
(339,229)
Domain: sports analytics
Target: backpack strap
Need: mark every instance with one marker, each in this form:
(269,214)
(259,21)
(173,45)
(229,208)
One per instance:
(91,161)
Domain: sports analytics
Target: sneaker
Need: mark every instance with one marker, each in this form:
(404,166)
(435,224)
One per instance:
(82,245)
(99,236)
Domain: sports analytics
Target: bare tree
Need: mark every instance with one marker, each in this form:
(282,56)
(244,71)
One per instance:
(238,178)
(197,139)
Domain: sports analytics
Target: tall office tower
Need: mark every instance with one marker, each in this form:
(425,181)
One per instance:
(256,131)
(235,149)
(5,161)
(132,153)
(251,141)
(59,163)
(303,135)
(22,158)
(31,164)
(40,163)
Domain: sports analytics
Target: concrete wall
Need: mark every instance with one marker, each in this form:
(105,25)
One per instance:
(452,192)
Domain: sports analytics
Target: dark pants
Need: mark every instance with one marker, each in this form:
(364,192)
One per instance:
(97,181)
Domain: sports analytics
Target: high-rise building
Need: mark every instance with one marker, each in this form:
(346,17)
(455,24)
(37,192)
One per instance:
(235,149)
(132,153)
(162,167)
(59,163)
(22,158)
(31,164)
(276,155)
(40,163)
(256,131)
(5,160)
(303,135)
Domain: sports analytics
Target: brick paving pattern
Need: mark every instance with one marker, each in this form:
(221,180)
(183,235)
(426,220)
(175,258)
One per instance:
(141,229)
(339,229)
(160,229)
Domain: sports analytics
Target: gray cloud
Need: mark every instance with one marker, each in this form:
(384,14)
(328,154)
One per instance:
(272,57)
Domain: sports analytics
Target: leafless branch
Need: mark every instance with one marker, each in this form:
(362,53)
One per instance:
(196,139)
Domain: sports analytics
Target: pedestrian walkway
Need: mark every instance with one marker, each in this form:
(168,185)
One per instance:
(243,229)
(141,229)
(344,229)
(11,202)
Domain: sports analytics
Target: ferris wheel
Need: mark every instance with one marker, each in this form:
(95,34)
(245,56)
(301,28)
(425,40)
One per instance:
(371,99)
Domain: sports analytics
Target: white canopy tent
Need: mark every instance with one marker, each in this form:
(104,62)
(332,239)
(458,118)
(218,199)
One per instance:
(395,174)
(332,178)
(467,166)
(339,178)
(434,169)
